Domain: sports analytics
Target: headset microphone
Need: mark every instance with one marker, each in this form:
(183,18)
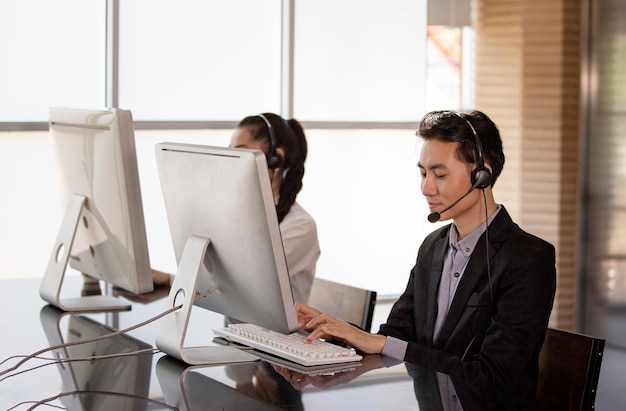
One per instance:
(435,216)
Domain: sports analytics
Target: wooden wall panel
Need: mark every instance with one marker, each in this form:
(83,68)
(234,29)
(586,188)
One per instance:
(527,81)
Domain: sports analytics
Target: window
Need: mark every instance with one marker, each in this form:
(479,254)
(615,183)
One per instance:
(357,61)
(359,86)
(53,54)
(200,60)
(450,68)
(212,60)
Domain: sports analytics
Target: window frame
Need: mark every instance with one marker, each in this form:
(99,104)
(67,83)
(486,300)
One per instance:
(286,92)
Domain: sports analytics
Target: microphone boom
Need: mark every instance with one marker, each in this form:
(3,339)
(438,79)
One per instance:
(436,215)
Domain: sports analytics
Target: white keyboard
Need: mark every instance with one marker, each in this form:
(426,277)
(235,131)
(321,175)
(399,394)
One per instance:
(290,346)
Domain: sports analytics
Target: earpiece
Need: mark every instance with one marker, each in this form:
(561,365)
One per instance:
(480,176)
(274,160)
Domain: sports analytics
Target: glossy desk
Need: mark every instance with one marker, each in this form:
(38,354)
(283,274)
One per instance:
(155,381)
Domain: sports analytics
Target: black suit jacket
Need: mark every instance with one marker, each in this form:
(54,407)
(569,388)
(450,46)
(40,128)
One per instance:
(497,320)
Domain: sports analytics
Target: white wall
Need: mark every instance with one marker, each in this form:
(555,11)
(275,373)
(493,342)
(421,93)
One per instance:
(362,187)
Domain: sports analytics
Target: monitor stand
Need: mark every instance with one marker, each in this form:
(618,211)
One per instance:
(52,282)
(170,337)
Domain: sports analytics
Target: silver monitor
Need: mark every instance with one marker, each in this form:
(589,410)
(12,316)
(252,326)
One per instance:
(224,228)
(103,233)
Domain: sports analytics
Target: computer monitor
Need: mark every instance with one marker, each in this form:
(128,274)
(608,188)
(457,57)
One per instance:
(103,233)
(224,229)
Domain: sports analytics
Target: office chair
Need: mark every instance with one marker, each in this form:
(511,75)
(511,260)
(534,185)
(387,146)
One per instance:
(569,367)
(352,304)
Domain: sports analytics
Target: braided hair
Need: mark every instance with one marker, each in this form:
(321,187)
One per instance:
(288,135)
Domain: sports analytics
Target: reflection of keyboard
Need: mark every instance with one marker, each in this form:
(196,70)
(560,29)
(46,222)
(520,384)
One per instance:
(290,346)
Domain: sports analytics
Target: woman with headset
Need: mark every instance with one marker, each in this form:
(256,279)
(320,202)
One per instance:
(285,146)
(284,143)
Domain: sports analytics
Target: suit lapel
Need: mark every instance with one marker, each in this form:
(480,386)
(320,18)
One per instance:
(439,250)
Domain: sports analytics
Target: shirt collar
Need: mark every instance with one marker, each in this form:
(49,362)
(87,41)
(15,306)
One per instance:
(467,245)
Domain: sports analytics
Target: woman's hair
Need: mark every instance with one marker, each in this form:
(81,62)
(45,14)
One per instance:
(453,127)
(288,135)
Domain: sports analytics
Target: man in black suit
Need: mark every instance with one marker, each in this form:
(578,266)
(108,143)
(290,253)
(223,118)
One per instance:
(478,300)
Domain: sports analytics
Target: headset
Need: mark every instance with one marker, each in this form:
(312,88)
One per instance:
(274,160)
(480,176)
(481,179)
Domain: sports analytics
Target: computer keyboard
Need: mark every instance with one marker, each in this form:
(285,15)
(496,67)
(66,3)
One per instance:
(290,346)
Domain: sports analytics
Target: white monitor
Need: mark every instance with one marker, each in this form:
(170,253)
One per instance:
(224,228)
(103,233)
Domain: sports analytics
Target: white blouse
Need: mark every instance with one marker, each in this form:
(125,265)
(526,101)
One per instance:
(299,234)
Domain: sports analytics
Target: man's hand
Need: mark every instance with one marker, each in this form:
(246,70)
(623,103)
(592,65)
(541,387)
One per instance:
(324,326)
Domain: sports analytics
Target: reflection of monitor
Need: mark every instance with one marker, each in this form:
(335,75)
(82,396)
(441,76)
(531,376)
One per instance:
(187,389)
(103,233)
(224,228)
(117,383)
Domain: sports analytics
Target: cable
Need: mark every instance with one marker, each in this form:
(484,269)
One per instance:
(152,351)
(98,357)
(102,337)
(487,247)
(45,401)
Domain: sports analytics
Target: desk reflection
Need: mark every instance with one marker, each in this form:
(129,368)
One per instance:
(273,386)
(254,386)
(328,378)
(90,382)
(123,383)
(437,391)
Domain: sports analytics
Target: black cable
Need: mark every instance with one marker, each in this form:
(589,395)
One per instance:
(487,247)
